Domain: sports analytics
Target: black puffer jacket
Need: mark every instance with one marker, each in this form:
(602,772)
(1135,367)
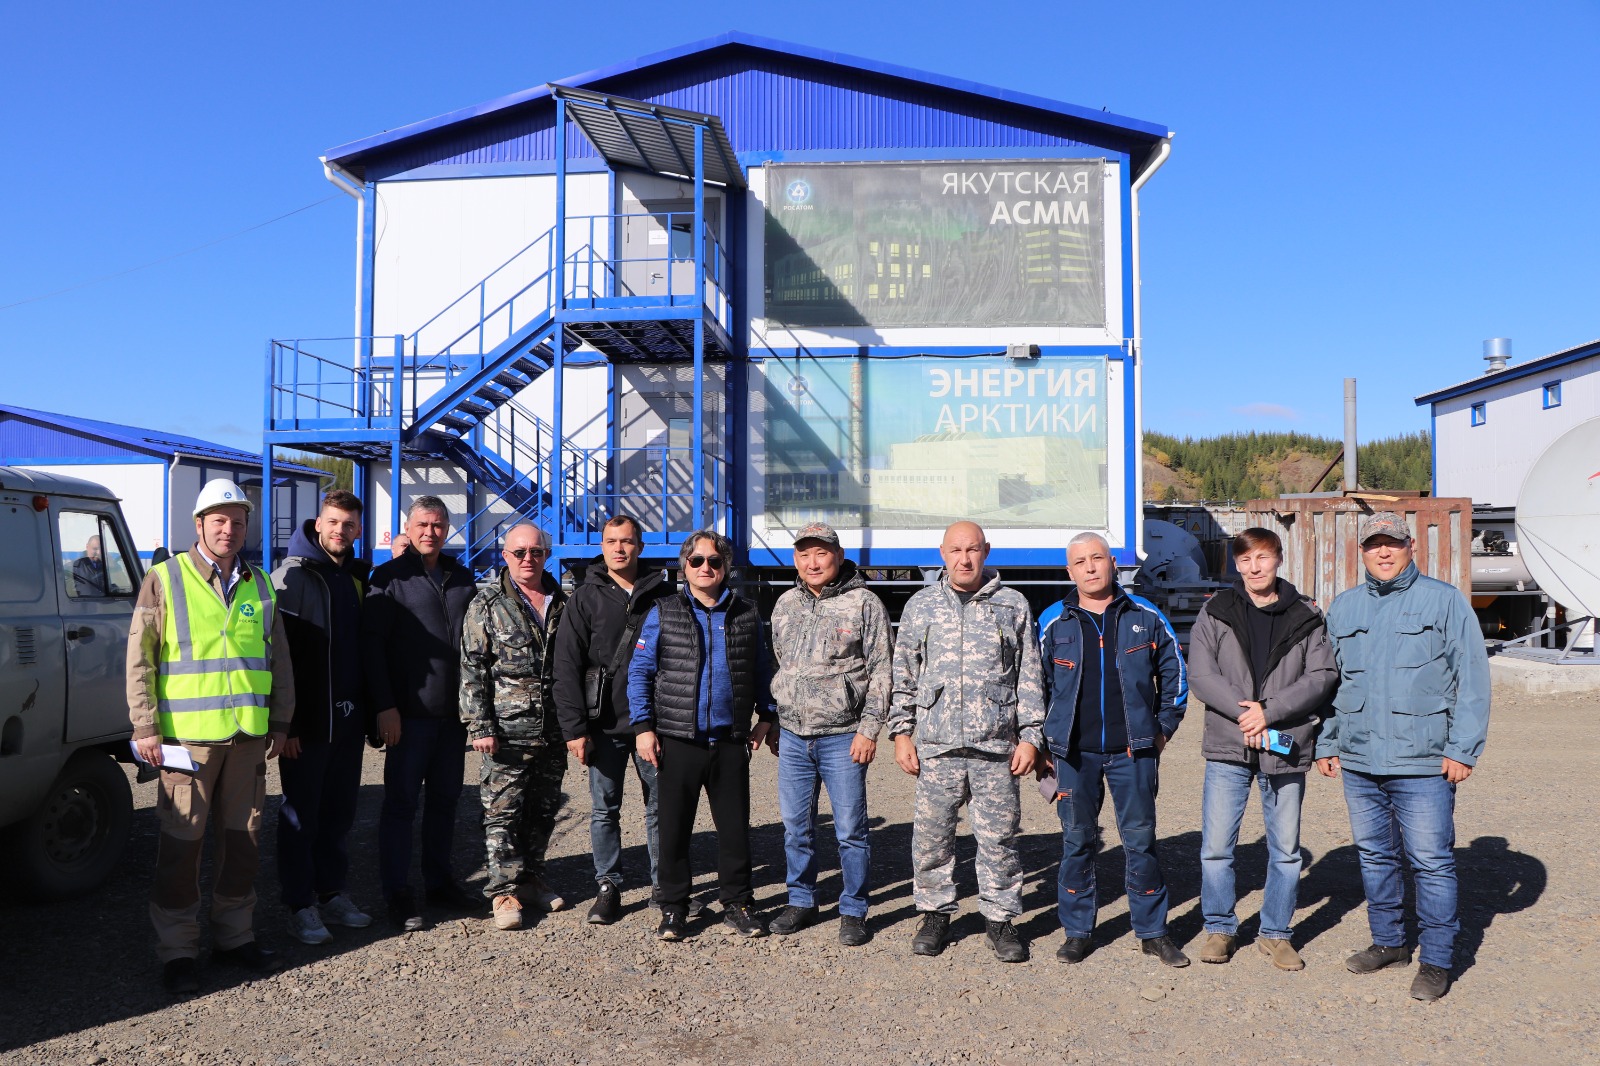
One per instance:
(411,636)
(321,605)
(597,613)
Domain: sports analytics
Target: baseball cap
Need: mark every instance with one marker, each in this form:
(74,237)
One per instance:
(1384,524)
(817,531)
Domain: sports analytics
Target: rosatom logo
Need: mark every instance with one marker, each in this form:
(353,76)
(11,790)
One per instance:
(248,610)
(799,191)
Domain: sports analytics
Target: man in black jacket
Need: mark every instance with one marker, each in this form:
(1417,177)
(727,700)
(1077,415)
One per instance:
(411,643)
(319,590)
(698,678)
(593,649)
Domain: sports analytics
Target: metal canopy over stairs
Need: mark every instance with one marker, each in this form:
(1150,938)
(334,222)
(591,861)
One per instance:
(444,393)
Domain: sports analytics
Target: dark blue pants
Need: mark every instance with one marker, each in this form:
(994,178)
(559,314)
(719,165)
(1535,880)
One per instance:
(431,751)
(320,787)
(1133,783)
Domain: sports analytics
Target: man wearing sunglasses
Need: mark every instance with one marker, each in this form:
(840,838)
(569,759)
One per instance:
(698,677)
(511,720)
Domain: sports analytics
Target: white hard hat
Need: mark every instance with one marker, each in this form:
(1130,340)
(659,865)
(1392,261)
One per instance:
(220,492)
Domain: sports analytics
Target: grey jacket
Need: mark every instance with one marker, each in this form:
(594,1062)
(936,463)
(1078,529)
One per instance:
(1301,677)
(832,653)
(967,675)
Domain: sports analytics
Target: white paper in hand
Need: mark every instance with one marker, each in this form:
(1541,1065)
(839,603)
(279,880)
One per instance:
(173,757)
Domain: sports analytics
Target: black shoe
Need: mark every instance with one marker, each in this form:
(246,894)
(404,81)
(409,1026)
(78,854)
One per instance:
(853,931)
(180,977)
(931,933)
(456,898)
(607,905)
(792,920)
(1164,949)
(248,956)
(1374,958)
(1074,949)
(1003,938)
(674,925)
(741,918)
(692,908)
(1430,983)
(403,914)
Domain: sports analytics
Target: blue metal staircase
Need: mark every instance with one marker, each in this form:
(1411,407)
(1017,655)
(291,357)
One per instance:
(447,391)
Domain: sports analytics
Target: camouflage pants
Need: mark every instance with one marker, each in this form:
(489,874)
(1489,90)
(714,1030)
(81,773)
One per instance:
(946,782)
(521,789)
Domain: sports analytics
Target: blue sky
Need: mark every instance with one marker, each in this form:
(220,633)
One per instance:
(1355,189)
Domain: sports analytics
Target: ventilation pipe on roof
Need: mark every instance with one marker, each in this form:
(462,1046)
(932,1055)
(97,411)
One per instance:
(1497,352)
(1162,152)
(345,182)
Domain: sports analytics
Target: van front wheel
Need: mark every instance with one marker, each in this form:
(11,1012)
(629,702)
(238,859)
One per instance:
(76,837)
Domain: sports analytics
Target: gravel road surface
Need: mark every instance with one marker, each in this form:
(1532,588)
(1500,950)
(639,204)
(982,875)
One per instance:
(79,982)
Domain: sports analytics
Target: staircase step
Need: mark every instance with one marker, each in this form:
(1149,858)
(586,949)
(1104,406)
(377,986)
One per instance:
(510,379)
(472,407)
(529,367)
(492,393)
(456,422)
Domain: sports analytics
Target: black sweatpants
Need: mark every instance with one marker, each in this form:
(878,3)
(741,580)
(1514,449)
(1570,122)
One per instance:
(723,770)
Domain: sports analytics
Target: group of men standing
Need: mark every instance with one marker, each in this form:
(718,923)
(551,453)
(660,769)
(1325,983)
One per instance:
(680,685)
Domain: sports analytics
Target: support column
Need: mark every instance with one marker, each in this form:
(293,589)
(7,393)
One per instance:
(697,425)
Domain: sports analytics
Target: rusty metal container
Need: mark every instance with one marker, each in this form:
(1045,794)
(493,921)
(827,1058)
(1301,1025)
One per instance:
(1322,557)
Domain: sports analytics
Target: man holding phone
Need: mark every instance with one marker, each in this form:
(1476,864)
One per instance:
(1261,661)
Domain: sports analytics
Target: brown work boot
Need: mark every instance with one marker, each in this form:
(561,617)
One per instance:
(1281,952)
(1218,947)
(545,897)
(507,912)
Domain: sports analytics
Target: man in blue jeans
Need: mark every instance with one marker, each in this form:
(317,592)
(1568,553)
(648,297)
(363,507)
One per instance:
(1260,660)
(830,637)
(1410,720)
(593,650)
(1115,691)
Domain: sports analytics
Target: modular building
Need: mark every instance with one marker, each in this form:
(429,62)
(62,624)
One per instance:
(743,285)
(156,474)
(1488,431)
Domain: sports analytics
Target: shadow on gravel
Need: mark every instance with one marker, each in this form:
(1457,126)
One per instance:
(1494,880)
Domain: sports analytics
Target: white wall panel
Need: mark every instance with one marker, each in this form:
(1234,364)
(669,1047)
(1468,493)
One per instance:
(1488,463)
(141,488)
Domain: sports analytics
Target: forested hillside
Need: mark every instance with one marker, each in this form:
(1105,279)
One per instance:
(339,468)
(1244,466)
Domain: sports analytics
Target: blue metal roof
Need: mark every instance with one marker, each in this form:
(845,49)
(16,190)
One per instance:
(1533,368)
(24,431)
(773,97)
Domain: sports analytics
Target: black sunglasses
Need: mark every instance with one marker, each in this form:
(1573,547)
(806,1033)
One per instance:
(522,553)
(713,561)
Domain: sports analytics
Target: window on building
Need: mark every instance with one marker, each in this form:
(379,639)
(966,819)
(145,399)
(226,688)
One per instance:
(1479,414)
(1552,394)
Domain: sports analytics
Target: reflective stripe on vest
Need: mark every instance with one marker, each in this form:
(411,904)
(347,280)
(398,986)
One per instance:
(215,675)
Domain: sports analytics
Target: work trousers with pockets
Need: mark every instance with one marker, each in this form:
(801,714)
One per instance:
(228,790)
(722,769)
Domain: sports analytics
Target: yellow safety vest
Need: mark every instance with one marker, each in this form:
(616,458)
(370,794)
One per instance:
(215,676)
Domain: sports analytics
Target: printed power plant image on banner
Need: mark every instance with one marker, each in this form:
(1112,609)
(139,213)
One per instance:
(941,244)
(917,443)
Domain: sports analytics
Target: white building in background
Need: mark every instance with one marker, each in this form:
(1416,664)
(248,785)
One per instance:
(1490,430)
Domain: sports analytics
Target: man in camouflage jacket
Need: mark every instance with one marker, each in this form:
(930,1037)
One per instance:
(510,716)
(831,640)
(965,715)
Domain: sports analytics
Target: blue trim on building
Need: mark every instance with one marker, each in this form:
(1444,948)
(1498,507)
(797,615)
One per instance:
(998,154)
(510,169)
(1550,394)
(719,48)
(22,428)
(8,459)
(1533,368)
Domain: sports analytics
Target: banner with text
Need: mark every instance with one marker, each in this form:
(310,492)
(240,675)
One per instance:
(936,244)
(919,443)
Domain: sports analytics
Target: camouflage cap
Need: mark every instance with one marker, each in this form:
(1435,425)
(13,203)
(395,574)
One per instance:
(1384,524)
(817,531)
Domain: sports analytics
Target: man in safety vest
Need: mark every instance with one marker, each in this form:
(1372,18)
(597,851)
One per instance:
(208,670)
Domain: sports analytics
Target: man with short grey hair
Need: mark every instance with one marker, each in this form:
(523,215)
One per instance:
(1115,691)
(411,644)
(506,704)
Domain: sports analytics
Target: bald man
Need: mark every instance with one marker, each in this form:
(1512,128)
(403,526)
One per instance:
(965,714)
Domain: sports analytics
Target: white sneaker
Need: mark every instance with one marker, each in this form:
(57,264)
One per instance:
(305,925)
(341,910)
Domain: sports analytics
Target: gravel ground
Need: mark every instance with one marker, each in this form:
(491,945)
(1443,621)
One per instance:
(79,984)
